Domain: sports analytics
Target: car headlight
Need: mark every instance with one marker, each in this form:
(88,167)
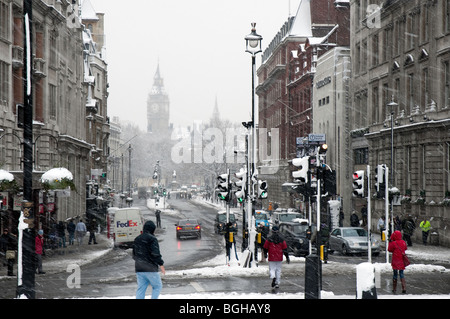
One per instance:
(300,241)
(352,243)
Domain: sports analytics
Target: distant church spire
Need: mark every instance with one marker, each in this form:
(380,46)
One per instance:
(216,113)
(158,107)
(158,83)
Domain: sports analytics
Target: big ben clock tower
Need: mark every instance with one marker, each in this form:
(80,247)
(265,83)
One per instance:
(158,108)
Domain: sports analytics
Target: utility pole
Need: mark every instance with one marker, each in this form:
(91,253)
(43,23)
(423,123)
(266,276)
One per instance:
(26,263)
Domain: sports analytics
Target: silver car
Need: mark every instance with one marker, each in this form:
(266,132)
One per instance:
(351,240)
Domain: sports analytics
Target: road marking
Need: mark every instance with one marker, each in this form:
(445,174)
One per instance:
(197,286)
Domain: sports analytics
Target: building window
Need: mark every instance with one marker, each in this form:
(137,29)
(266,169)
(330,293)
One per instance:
(446,84)
(386,44)
(4,20)
(447,167)
(398,94)
(364,57)
(409,32)
(397,38)
(53,51)
(375,106)
(425,89)
(52,101)
(358,59)
(361,156)
(410,93)
(375,50)
(4,83)
(447,16)
(408,167)
(385,100)
(425,28)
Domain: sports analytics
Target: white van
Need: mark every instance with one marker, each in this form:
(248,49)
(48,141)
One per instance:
(128,224)
(110,221)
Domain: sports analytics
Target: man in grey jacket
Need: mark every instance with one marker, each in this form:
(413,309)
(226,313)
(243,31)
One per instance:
(148,261)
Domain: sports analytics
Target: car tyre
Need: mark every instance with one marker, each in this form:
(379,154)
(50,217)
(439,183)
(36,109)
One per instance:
(345,250)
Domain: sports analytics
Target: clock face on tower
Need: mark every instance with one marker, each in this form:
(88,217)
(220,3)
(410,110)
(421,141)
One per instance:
(155,107)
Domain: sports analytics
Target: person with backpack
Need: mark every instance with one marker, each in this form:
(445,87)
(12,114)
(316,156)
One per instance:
(276,247)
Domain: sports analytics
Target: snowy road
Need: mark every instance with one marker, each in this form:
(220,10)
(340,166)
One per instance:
(196,268)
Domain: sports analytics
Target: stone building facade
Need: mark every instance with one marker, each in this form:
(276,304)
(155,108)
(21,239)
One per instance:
(401,53)
(63,91)
(286,79)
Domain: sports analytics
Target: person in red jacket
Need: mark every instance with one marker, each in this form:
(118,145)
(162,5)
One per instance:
(397,247)
(39,246)
(276,247)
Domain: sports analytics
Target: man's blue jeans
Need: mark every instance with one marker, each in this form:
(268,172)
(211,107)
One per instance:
(148,278)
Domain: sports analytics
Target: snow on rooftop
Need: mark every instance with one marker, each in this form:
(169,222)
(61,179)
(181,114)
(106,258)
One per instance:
(87,11)
(302,26)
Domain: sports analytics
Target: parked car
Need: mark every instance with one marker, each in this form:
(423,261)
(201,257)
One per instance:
(188,228)
(352,240)
(261,217)
(221,220)
(294,233)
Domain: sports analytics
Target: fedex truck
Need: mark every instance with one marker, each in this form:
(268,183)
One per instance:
(128,224)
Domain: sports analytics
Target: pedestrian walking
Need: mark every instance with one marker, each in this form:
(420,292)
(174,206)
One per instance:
(276,247)
(364,215)
(92,229)
(264,231)
(341,217)
(158,218)
(8,247)
(408,227)
(80,231)
(397,247)
(71,230)
(381,225)
(39,249)
(61,234)
(425,227)
(397,223)
(354,220)
(148,261)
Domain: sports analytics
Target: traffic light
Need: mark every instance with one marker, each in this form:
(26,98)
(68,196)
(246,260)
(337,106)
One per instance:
(223,187)
(164,192)
(358,184)
(380,180)
(303,165)
(262,189)
(241,185)
(323,148)
(329,182)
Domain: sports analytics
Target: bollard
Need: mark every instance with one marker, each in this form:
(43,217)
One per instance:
(313,280)
(365,281)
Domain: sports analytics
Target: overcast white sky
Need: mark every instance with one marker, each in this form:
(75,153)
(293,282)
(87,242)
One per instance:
(201,51)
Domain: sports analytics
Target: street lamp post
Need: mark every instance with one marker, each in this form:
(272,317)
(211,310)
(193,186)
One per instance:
(253,46)
(392,104)
(26,263)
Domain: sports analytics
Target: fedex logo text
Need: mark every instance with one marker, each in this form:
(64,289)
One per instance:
(129,223)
